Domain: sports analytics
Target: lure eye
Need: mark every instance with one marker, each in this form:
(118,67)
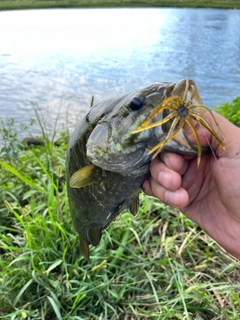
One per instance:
(136,104)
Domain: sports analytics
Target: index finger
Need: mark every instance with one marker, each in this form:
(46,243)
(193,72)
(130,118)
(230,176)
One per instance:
(174,162)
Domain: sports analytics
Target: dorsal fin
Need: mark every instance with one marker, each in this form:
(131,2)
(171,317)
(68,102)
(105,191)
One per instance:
(134,207)
(83,177)
(94,236)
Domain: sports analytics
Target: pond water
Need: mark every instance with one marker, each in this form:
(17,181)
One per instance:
(56,60)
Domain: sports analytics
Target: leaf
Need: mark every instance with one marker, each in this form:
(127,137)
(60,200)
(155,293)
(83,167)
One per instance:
(22,177)
(24,288)
(53,266)
(55,308)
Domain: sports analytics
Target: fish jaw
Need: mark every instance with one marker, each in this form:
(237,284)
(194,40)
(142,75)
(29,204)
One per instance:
(181,144)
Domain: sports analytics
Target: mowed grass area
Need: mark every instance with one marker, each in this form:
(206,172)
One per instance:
(158,265)
(26,4)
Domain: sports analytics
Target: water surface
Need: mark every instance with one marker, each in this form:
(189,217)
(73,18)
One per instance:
(58,59)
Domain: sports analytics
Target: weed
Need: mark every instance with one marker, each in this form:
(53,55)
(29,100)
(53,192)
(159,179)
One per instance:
(159,265)
(10,138)
(231,111)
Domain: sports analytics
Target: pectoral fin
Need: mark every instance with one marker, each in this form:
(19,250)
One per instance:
(83,177)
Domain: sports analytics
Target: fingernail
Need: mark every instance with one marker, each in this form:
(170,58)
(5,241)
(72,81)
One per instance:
(164,157)
(166,160)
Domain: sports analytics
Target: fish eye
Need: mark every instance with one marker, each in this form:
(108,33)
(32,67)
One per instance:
(136,104)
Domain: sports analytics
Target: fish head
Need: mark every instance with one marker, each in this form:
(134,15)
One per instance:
(113,145)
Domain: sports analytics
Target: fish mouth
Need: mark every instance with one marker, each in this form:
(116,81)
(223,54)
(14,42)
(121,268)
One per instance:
(182,106)
(183,145)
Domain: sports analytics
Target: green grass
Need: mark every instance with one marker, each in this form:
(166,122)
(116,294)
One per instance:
(231,111)
(159,265)
(27,4)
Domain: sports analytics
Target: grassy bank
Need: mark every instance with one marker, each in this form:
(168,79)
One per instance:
(26,4)
(159,265)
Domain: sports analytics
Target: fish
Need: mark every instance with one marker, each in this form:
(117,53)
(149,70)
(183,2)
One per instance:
(110,151)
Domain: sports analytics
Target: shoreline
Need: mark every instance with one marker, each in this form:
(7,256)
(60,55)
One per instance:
(44,4)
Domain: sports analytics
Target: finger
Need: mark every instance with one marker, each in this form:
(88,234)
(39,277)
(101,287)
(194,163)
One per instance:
(147,189)
(161,174)
(178,198)
(231,139)
(169,179)
(175,162)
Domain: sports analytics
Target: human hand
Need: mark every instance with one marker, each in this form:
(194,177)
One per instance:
(208,195)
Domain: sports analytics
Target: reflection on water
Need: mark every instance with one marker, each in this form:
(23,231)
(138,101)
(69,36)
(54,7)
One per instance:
(53,58)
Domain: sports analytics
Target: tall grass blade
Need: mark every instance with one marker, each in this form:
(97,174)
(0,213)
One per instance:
(22,177)
(55,308)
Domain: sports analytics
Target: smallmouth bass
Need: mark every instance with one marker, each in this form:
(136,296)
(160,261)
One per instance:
(110,152)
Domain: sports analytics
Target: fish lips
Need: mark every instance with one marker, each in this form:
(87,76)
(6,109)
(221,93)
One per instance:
(180,144)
